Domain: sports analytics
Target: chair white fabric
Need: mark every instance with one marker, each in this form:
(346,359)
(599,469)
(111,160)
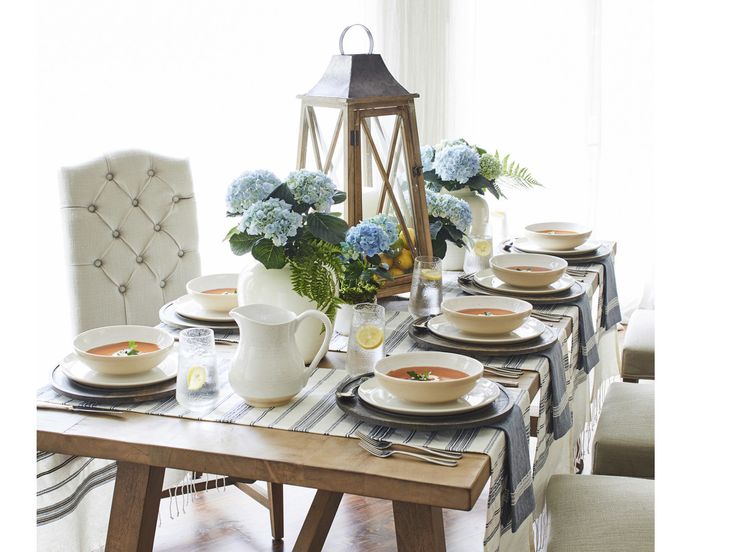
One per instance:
(132,233)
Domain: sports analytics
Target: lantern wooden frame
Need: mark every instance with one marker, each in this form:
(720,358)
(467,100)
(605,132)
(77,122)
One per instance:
(362,89)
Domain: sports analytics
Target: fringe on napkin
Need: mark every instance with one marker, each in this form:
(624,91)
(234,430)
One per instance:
(541,530)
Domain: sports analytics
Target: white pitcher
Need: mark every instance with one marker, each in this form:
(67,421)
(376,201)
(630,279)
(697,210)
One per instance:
(268,369)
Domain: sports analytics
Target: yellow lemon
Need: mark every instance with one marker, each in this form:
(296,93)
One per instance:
(385,259)
(404,261)
(369,336)
(431,274)
(196,378)
(396,272)
(482,248)
(404,241)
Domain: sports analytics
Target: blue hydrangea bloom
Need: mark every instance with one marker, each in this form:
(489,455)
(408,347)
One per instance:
(389,224)
(427,158)
(273,219)
(366,239)
(313,188)
(452,209)
(248,188)
(457,163)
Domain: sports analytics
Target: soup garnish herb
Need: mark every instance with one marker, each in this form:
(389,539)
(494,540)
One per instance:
(132,349)
(424,376)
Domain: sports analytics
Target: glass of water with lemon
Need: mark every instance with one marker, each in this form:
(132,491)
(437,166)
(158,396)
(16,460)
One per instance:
(425,297)
(479,253)
(197,382)
(367,330)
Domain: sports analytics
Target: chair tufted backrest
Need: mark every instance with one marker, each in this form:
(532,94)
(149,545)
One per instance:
(131,226)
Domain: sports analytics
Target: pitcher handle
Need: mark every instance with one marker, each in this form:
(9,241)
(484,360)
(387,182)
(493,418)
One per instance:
(322,317)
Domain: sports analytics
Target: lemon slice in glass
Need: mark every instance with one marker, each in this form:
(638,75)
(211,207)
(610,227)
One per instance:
(369,336)
(482,248)
(196,378)
(431,274)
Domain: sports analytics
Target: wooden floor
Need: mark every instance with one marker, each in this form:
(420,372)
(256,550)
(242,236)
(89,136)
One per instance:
(229,521)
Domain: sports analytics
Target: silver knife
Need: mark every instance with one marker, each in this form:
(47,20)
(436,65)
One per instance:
(75,408)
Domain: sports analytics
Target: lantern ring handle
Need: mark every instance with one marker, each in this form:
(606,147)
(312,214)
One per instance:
(368,32)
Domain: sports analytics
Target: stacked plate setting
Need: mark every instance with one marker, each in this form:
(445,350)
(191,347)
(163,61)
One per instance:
(565,239)
(202,307)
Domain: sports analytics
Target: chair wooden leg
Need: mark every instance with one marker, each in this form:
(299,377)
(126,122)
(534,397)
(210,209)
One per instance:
(419,528)
(135,504)
(276,509)
(318,522)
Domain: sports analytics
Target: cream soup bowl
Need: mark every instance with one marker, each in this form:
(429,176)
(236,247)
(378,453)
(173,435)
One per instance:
(558,242)
(215,302)
(486,325)
(428,392)
(123,365)
(501,265)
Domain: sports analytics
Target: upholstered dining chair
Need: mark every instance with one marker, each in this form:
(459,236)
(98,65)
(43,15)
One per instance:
(131,232)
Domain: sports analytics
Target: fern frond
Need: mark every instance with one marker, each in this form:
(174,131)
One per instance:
(316,271)
(514,175)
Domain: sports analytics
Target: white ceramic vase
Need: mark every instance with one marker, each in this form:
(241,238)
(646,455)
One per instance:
(258,284)
(343,319)
(480,212)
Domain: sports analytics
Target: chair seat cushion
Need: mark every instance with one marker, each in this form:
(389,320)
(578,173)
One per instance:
(598,513)
(638,354)
(624,439)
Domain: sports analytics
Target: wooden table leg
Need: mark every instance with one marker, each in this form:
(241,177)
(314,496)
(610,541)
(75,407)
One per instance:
(276,509)
(135,504)
(318,522)
(419,528)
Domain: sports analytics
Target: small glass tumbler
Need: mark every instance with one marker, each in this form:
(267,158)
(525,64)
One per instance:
(197,381)
(425,297)
(365,346)
(479,253)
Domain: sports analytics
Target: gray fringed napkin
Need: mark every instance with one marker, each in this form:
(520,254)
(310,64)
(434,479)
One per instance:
(561,417)
(611,308)
(588,352)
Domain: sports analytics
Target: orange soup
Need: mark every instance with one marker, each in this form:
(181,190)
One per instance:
(486,312)
(427,373)
(528,268)
(555,232)
(122,348)
(221,291)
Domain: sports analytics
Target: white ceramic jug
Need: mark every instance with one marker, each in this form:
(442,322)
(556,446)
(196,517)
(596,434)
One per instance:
(268,369)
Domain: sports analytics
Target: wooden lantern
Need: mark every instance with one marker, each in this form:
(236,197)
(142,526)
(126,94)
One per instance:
(361,95)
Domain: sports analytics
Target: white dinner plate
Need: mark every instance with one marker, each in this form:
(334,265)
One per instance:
(483,394)
(486,279)
(441,327)
(168,316)
(527,245)
(187,307)
(78,371)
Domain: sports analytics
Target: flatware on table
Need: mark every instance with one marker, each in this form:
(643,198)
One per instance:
(218,341)
(384,445)
(76,408)
(383,453)
(504,382)
(513,374)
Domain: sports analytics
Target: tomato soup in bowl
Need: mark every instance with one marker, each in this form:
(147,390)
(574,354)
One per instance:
(123,350)
(428,377)
(486,315)
(558,236)
(215,292)
(527,270)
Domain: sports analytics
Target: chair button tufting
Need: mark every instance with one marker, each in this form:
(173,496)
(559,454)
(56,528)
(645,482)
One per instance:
(109,176)
(180,253)
(139,259)
(175,199)
(122,289)
(162,283)
(97,263)
(151,172)
(157,227)
(135,202)
(116,233)
(92,208)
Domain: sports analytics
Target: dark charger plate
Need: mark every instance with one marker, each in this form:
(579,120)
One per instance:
(468,285)
(361,410)
(65,386)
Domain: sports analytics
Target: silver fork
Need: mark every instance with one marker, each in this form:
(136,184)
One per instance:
(383,453)
(383,445)
(502,373)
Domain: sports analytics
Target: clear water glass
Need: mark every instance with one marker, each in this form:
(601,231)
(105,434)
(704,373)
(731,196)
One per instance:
(367,336)
(197,381)
(425,297)
(479,253)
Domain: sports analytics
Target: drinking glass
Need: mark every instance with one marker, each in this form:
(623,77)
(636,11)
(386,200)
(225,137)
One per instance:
(426,287)
(479,253)
(365,346)
(197,381)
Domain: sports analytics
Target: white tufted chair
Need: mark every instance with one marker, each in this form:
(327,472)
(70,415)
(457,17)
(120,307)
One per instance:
(132,227)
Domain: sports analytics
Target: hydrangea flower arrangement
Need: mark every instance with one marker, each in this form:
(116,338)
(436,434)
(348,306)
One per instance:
(456,165)
(364,252)
(449,220)
(288,223)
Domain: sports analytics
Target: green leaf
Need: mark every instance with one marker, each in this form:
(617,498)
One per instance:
(241,243)
(268,254)
(327,227)
(283,192)
(439,248)
(339,197)
(234,230)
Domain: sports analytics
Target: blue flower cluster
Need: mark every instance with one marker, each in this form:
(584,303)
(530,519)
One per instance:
(457,163)
(427,157)
(371,237)
(272,219)
(452,209)
(313,188)
(249,188)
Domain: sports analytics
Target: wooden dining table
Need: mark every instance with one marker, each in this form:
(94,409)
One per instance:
(144,445)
